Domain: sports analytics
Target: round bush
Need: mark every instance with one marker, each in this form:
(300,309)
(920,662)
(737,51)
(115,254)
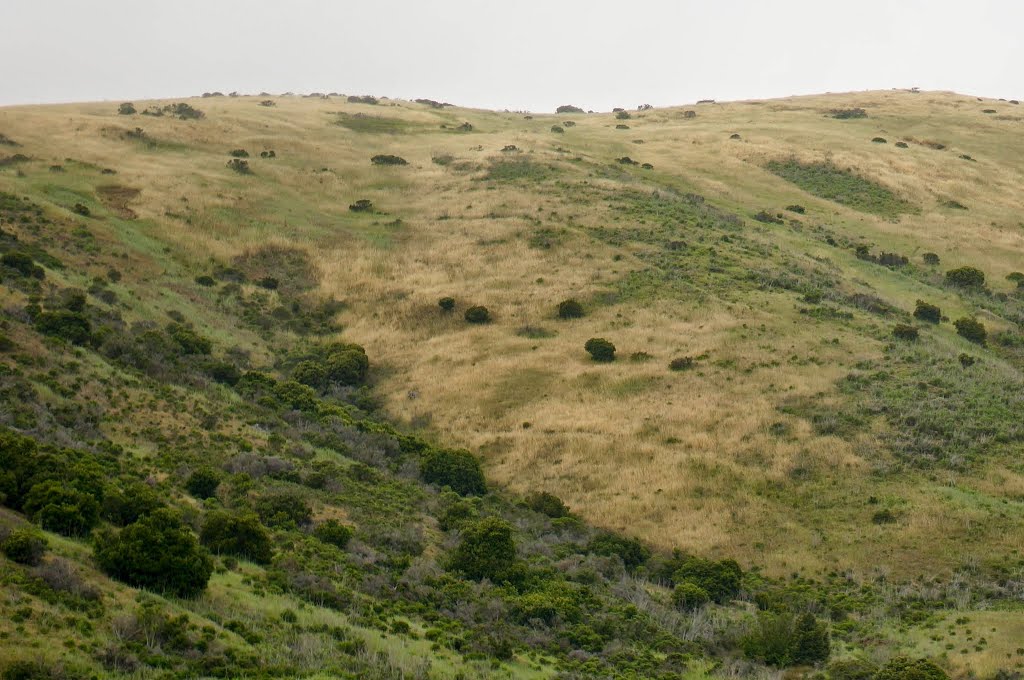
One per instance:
(60,508)
(600,349)
(203,482)
(570,309)
(927,312)
(487,550)
(632,552)
(903,668)
(157,552)
(457,469)
(971,330)
(681,363)
(284,509)
(73,327)
(311,373)
(446,303)
(966,277)
(547,504)
(930,258)
(852,669)
(240,535)
(333,532)
(24,546)
(348,366)
(126,501)
(478,314)
(689,596)
(904,332)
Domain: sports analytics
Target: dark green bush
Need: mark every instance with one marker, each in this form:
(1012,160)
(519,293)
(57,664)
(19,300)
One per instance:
(447,304)
(388,159)
(223,372)
(1015,277)
(799,209)
(23,669)
(459,470)
(127,501)
(477,314)
(681,363)
(487,551)
(237,534)
(927,312)
(203,482)
(568,108)
(557,129)
(333,532)
(24,546)
(879,140)
(903,668)
(74,327)
(971,330)
(966,277)
(347,365)
(904,332)
(23,264)
(689,596)
(931,259)
(600,349)
(239,153)
(570,309)
(61,508)
(362,205)
(188,339)
(631,551)
(720,579)
(240,166)
(284,509)
(157,552)
(296,396)
(205,281)
(312,373)
(547,504)
(126,109)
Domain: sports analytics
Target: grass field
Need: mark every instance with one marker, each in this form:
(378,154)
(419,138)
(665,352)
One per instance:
(800,418)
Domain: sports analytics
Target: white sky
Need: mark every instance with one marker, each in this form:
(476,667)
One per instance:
(514,54)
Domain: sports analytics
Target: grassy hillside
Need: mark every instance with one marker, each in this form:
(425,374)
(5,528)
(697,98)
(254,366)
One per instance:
(774,399)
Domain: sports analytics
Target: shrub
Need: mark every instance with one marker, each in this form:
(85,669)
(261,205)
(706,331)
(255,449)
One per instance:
(779,640)
(570,309)
(447,304)
(362,205)
(557,129)
(457,469)
(904,332)
(295,396)
(388,159)
(347,365)
(846,114)
(623,115)
(621,126)
(24,546)
(796,208)
(203,482)
(927,312)
(237,534)
(240,166)
(126,501)
(364,99)
(568,108)
(157,552)
(23,264)
(903,668)
(547,504)
(600,349)
(689,596)
(852,669)
(1015,277)
(239,153)
(478,314)
(73,327)
(767,217)
(284,509)
(269,153)
(205,281)
(487,551)
(80,209)
(966,277)
(971,330)
(902,145)
(58,507)
(312,373)
(188,340)
(879,140)
(631,551)
(333,533)
(126,109)
(681,363)
(720,579)
(223,372)
(966,360)
(930,259)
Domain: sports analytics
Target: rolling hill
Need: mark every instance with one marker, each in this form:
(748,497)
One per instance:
(815,407)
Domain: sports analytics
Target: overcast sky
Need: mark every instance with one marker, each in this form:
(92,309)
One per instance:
(514,54)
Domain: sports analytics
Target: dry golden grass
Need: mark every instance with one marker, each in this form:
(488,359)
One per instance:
(687,459)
